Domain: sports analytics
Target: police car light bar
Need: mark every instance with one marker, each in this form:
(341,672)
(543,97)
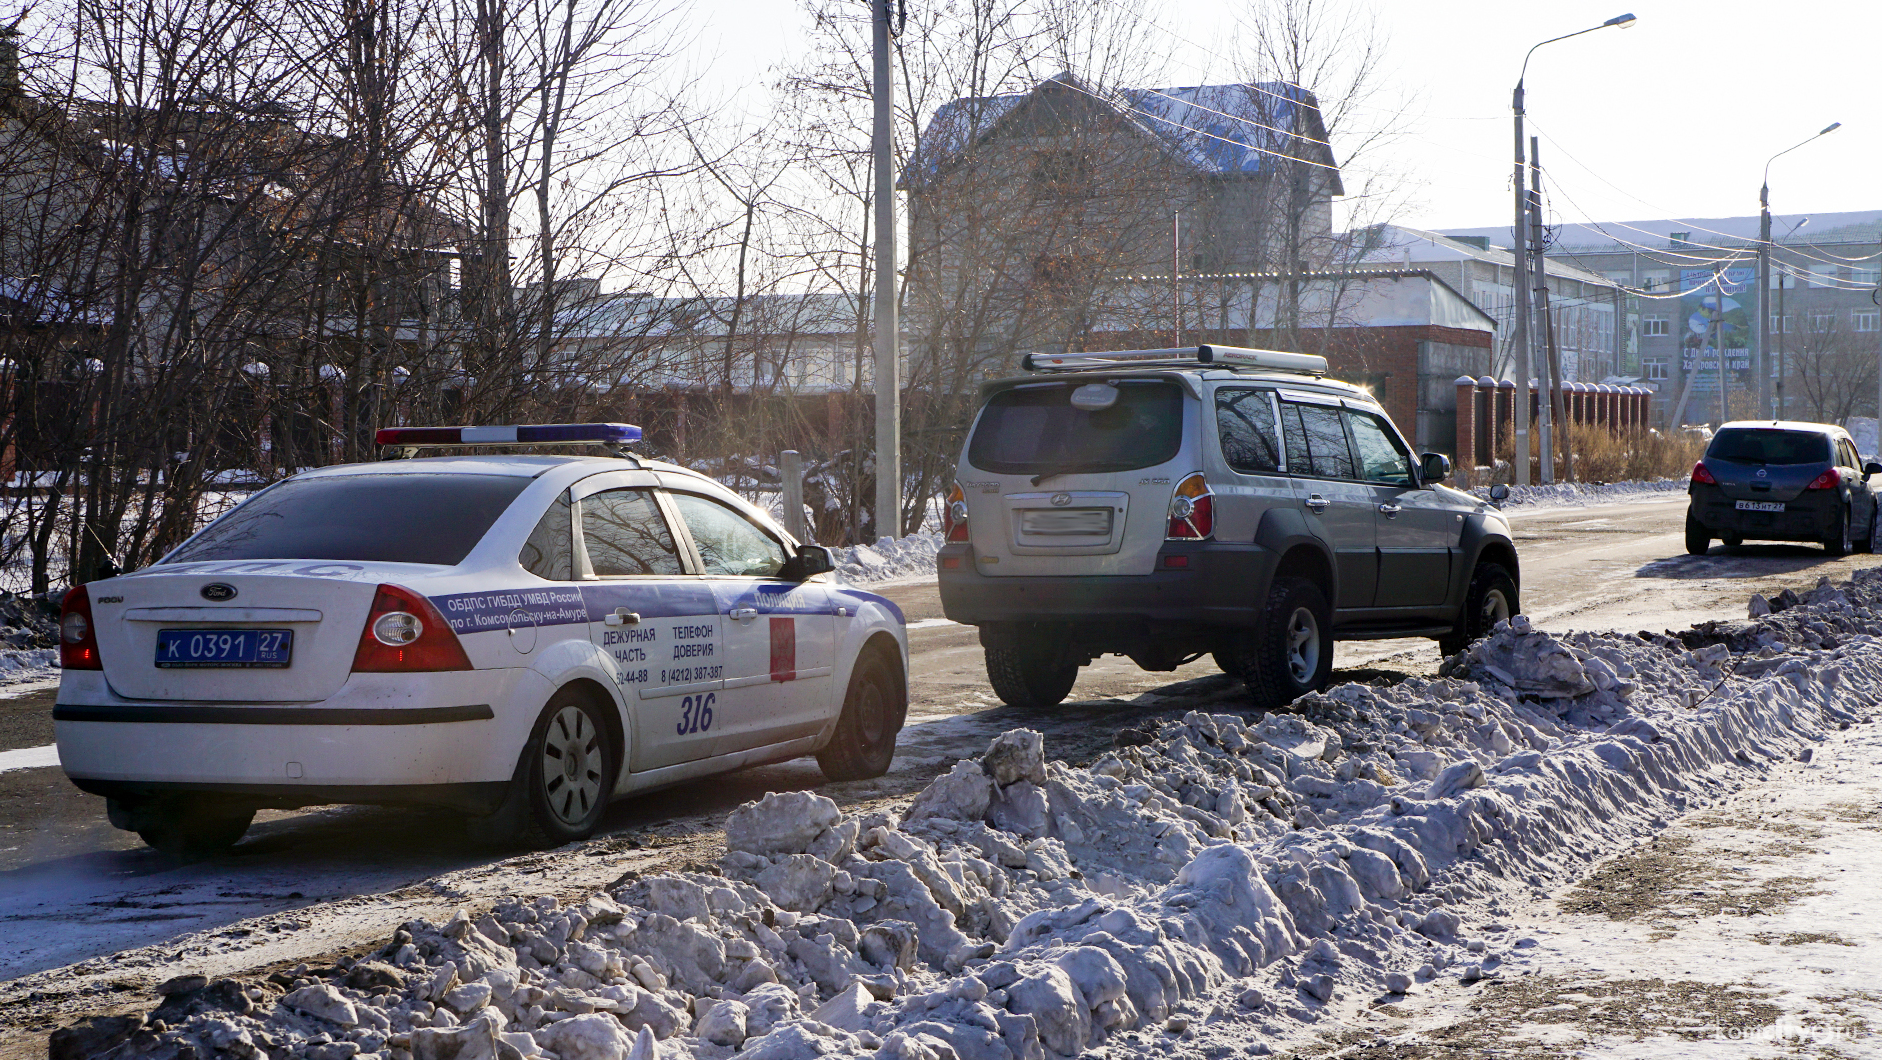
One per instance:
(608,434)
(1276,360)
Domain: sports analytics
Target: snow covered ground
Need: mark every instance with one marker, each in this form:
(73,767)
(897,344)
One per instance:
(1215,885)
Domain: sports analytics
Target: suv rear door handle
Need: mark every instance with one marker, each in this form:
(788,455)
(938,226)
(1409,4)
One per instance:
(1317,502)
(743,613)
(1390,510)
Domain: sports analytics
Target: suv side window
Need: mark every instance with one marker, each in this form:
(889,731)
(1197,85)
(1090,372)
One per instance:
(728,543)
(1380,458)
(1245,422)
(549,551)
(626,535)
(1316,441)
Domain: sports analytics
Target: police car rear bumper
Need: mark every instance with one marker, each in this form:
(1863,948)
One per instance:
(1218,583)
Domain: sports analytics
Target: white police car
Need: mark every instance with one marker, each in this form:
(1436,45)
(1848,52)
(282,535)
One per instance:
(522,638)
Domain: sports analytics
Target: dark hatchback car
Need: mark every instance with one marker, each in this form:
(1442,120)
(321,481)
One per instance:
(1782,481)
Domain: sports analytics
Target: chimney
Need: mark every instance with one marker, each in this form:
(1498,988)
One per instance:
(9,61)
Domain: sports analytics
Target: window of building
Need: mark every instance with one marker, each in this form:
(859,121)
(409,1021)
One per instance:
(1868,274)
(1780,324)
(1654,369)
(1866,321)
(1624,277)
(1821,275)
(1654,279)
(1822,322)
(1653,327)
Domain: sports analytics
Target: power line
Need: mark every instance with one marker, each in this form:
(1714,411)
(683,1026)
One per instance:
(1199,132)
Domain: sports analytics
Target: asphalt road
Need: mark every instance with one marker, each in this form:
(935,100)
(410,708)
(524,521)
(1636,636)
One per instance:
(72,888)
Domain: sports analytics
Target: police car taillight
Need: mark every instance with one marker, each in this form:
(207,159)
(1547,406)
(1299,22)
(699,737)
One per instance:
(954,515)
(78,638)
(523,434)
(405,634)
(1192,510)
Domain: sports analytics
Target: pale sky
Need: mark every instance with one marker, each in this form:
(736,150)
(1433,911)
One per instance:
(1680,111)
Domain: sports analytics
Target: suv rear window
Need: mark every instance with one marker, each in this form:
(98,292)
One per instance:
(415,518)
(1770,446)
(1031,430)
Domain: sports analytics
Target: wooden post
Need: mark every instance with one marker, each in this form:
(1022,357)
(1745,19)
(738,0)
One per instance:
(791,478)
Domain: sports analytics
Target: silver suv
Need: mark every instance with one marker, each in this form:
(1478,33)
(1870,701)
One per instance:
(1166,504)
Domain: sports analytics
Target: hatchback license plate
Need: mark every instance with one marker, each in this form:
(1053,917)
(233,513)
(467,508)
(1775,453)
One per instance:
(1760,506)
(1071,522)
(232,649)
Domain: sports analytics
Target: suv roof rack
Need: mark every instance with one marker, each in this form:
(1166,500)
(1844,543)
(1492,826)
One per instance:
(1224,356)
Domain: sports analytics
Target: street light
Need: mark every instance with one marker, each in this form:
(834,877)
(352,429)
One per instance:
(1782,331)
(1520,458)
(1762,331)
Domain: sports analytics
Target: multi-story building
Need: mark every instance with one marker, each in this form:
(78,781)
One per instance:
(1824,341)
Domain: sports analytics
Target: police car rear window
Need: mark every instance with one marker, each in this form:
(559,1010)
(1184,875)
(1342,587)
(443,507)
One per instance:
(1764,445)
(1031,430)
(415,518)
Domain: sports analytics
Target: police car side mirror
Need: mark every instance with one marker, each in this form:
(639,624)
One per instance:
(1499,493)
(1871,468)
(810,561)
(1435,467)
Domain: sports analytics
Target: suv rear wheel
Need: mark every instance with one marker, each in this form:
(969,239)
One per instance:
(1031,672)
(1289,651)
(1490,599)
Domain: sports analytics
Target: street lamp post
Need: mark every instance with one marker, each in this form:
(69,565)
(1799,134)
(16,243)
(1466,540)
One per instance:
(1761,333)
(1783,328)
(1524,335)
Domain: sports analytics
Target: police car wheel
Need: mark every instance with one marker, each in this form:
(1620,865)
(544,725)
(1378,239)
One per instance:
(190,828)
(873,711)
(563,779)
(1030,674)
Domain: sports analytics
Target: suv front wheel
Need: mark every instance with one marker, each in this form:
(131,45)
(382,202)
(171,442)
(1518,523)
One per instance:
(1289,651)
(1490,599)
(1031,672)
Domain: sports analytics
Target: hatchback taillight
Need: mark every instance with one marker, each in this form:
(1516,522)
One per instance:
(405,634)
(954,515)
(78,638)
(1829,480)
(1192,510)
(1702,476)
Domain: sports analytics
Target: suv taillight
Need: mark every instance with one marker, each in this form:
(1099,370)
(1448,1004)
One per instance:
(1701,476)
(1829,480)
(1192,510)
(954,515)
(405,634)
(78,638)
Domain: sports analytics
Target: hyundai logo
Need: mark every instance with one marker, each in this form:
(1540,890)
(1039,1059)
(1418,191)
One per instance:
(1060,500)
(218,591)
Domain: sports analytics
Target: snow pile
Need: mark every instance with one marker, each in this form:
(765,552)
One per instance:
(1227,870)
(889,559)
(1580,494)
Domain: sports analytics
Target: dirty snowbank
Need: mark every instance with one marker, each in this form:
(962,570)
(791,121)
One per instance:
(889,559)
(1583,494)
(1219,873)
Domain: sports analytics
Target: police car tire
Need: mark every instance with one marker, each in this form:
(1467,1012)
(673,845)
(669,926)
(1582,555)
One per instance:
(1261,654)
(873,711)
(190,828)
(1030,676)
(526,818)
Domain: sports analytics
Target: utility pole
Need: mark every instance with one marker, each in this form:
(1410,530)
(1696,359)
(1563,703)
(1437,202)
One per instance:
(888,361)
(1718,342)
(1553,414)
(1176,275)
(1519,460)
(1760,332)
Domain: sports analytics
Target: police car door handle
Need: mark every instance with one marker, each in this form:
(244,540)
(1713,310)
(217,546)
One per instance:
(1390,510)
(621,617)
(1317,502)
(743,613)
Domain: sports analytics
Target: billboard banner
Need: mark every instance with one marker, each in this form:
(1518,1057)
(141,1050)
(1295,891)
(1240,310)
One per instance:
(1702,292)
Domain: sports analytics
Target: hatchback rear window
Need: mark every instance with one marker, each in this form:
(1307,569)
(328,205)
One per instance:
(1770,446)
(415,518)
(1031,430)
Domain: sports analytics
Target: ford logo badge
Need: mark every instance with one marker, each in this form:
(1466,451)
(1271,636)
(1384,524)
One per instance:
(1060,500)
(218,591)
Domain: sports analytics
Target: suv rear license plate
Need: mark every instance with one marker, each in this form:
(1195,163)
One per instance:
(1760,506)
(228,649)
(1069,522)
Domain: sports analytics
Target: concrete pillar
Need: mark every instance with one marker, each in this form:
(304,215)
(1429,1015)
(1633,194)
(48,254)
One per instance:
(1466,455)
(1505,407)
